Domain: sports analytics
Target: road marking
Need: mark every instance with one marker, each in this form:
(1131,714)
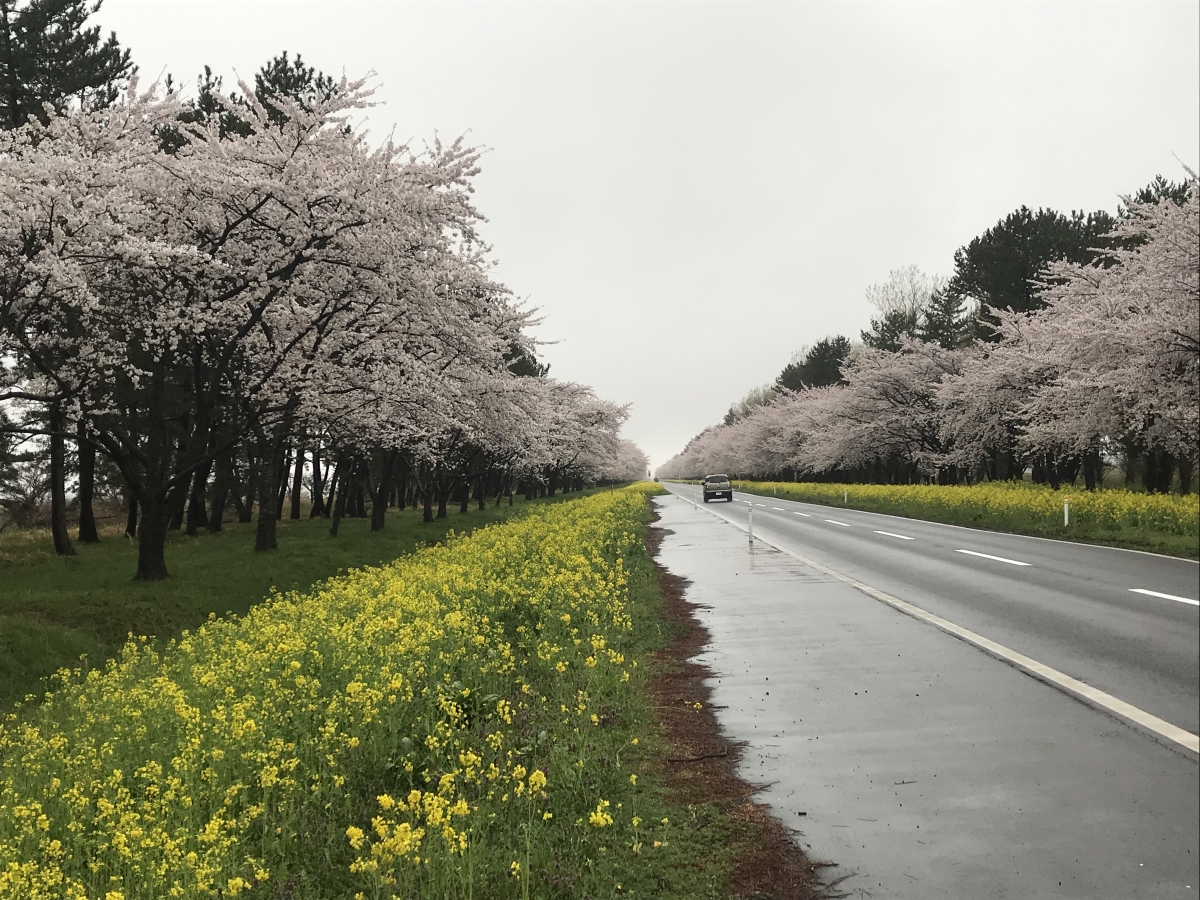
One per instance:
(806,515)
(836,522)
(1011,562)
(780,508)
(1053,677)
(890,534)
(1165,596)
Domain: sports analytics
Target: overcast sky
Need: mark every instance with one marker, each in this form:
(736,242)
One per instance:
(691,191)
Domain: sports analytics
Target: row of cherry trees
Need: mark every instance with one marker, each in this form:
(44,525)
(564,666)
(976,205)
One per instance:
(221,314)
(1110,361)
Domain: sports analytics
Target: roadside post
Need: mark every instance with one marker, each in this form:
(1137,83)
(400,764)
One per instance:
(1066,511)
(750,518)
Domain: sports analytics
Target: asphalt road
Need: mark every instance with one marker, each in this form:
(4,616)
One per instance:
(919,764)
(1074,607)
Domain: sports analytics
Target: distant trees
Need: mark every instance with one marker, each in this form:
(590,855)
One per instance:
(817,366)
(1090,351)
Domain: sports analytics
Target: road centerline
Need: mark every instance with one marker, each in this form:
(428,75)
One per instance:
(836,522)
(1003,559)
(806,515)
(1150,593)
(902,537)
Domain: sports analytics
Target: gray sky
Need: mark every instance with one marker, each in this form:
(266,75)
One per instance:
(690,191)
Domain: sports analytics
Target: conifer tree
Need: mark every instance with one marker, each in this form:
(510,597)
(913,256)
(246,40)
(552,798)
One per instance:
(49,54)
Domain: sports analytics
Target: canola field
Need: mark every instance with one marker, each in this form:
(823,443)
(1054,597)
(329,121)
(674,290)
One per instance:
(450,725)
(1170,520)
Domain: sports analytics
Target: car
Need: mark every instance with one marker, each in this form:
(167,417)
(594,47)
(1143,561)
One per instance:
(716,487)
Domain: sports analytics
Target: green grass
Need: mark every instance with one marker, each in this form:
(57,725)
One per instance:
(55,609)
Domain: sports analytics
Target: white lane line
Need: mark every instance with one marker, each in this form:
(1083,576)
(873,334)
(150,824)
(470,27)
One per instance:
(891,534)
(1011,562)
(780,508)
(806,515)
(1165,596)
(1055,678)
(836,522)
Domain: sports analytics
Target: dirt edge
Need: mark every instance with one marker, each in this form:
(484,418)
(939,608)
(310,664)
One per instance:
(702,763)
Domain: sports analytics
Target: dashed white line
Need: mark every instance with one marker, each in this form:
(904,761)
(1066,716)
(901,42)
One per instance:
(806,515)
(1040,670)
(902,537)
(836,522)
(779,508)
(1165,596)
(1011,562)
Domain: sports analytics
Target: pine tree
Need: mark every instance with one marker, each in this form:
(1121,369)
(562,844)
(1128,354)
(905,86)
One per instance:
(48,54)
(946,321)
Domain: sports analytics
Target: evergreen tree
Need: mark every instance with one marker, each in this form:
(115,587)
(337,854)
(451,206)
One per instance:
(282,77)
(48,54)
(821,366)
(999,268)
(886,332)
(946,322)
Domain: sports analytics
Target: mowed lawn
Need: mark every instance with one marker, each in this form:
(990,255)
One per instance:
(55,609)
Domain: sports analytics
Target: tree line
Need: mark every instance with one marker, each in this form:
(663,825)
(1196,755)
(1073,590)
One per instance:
(1061,344)
(217,303)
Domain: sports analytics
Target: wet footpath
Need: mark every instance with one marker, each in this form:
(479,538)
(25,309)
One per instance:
(917,764)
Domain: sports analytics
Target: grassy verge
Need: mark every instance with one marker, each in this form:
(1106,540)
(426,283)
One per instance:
(473,720)
(1160,523)
(54,609)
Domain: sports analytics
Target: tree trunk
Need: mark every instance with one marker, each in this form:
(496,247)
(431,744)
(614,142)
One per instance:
(197,516)
(1186,469)
(297,482)
(427,505)
(317,494)
(152,540)
(338,502)
(379,497)
(87,487)
(273,472)
(58,483)
(253,475)
(1166,470)
(464,495)
(1150,479)
(221,485)
(131,514)
(1093,469)
(285,466)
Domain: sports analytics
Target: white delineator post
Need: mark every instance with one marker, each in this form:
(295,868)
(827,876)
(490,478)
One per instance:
(1066,511)
(750,518)
(846,497)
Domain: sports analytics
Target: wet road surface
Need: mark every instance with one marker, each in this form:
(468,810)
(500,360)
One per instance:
(919,764)
(1075,607)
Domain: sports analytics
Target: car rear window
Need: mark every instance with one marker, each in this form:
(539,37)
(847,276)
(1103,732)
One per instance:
(716,479)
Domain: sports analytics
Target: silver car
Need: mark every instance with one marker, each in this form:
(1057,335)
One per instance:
(716,487)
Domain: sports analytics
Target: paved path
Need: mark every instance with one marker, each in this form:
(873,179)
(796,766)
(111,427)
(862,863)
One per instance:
(923,766)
